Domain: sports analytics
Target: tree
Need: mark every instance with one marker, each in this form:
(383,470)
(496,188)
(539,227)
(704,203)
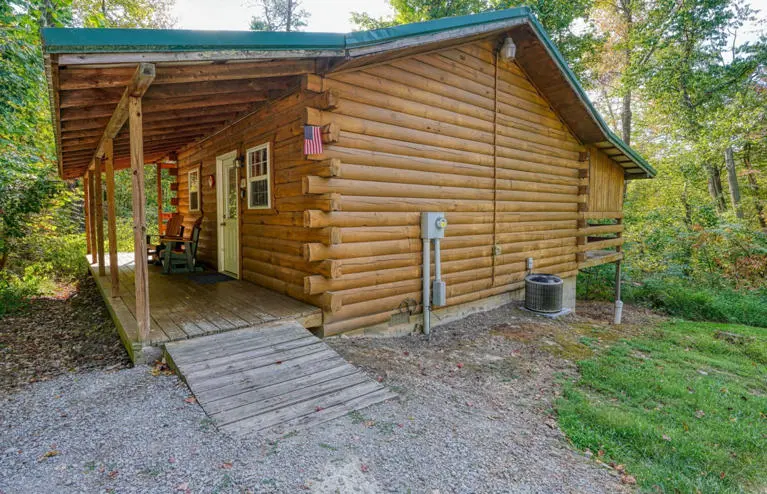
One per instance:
(407,11)
(124,13)
(557,16)
(279,15)
(27,180)
(688,80)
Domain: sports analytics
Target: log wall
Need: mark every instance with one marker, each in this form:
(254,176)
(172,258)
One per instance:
(271,241)
(427,133)
(447,131)
(606,182)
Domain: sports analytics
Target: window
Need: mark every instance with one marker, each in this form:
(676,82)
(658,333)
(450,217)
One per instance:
(194,190)
(259,177)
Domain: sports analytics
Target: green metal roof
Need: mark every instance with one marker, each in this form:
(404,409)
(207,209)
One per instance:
(69,40)
(75,40)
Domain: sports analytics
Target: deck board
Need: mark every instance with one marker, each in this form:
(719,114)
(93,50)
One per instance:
(271,378)
(181,309)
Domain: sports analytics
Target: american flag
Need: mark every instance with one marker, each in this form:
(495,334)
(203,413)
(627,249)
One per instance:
(312,140)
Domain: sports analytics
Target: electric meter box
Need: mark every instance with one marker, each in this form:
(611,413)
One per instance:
(433,225)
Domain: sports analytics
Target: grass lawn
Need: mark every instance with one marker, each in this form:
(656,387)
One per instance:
(682,406)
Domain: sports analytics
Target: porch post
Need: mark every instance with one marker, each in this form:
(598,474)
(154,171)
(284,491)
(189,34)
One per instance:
(139,218)
(111,217)
(91,217)
(159,198)
(87,213)
(98,195)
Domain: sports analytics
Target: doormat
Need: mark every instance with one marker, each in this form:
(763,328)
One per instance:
(208,278)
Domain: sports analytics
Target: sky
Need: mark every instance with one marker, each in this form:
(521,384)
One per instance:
(326,15)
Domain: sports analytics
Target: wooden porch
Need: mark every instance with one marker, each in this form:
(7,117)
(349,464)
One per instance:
(184,306)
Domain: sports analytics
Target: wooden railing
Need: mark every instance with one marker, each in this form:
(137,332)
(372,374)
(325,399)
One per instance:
(600,238)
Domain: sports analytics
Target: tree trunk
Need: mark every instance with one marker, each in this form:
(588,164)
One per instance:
(732,179)
(754,186)
(626,117)
(290,15)
(3,259)
(687,208)
(715,188)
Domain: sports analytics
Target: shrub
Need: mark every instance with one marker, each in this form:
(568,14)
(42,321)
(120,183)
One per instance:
(698,303)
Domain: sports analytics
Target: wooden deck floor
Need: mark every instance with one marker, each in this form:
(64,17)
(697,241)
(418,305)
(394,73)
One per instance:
(271,379)
(181,308)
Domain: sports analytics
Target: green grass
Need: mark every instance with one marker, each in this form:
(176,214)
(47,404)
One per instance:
(685,411)
(680,297)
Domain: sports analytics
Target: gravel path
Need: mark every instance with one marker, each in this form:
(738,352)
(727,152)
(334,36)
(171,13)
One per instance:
(474,416)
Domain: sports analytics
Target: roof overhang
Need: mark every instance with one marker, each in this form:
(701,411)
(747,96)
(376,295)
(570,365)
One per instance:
(101,60)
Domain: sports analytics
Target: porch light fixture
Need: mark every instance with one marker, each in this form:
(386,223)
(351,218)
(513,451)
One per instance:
(508,49)
(239,161)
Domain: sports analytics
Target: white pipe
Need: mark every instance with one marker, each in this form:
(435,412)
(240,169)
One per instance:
(437,264)
(618,312)
(426,285)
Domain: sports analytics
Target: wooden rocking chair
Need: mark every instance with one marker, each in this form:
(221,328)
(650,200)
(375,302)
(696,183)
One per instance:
(174,229)
(180,254)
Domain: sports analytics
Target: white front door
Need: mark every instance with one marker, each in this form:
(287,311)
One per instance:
(228,215)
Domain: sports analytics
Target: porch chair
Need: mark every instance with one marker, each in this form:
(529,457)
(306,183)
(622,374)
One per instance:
(174,229)
(180,255)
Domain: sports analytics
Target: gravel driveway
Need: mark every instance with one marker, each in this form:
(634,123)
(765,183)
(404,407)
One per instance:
(474,416)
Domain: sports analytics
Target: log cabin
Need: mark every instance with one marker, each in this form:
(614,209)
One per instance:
(477,117)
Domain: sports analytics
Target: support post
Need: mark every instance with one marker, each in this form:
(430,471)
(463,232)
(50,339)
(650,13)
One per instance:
(139,218)
(114,268)
(87,214)
(99,197)
(159,198)
(618,301)
(92,217)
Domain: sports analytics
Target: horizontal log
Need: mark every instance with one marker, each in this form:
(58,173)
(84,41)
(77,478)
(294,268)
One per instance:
(601,229)
(599,260)
(319,252)
(604,244)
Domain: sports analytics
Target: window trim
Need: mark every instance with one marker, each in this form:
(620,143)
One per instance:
(268,176)
(196,170)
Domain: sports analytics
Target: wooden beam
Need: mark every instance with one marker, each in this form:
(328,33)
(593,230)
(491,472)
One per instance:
(139,83)
(139,219)
(102,77)
(87,213)
(159,198)
(99,196)
(92,217)
(84,97)
(114,269)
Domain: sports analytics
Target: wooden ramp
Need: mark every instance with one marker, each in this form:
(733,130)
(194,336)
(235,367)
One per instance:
(271,379)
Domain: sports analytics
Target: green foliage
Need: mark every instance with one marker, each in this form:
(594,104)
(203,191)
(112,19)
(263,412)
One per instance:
(41,217)
(682,407)
(559,17)
(279,15)
(124,13)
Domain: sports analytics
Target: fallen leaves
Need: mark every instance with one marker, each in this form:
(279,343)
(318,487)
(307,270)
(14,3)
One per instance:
(459,365)
(364,468)
(161,368)
(700,414)
(190,399)
(628,480)
(49,454)
(227,465)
